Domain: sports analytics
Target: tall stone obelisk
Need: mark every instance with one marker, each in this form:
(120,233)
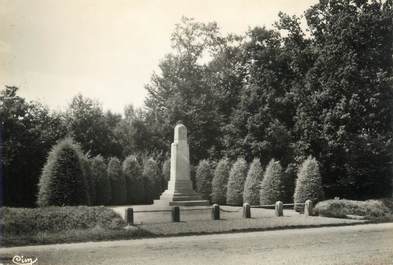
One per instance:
(180,190)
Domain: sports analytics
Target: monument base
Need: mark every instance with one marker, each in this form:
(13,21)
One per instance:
(181,199)
(181,203)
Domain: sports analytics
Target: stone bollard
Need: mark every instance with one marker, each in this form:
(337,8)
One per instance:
(308,208)
(176,214)
(278,208)
(246,210)
(130,216)
(216,212)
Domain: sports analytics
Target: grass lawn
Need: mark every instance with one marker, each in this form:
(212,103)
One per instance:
(81,224)
(194,221)
(73,235)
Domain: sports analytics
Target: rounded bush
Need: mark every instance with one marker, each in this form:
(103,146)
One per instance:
(203,179)
(133,174)
(152,180)
(62,181)
(308,183)
(272,189)
(252,184)
(220,181)
(103,183)
(118,182)
(237,177)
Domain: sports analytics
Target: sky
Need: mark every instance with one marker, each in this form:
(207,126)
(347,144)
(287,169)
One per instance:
(107,49)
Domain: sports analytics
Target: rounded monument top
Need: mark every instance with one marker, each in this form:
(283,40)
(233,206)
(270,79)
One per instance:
(180,132)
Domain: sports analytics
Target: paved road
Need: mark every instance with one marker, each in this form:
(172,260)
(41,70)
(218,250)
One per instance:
(362,244)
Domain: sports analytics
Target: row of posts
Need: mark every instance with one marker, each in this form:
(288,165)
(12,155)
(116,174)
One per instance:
(215,211)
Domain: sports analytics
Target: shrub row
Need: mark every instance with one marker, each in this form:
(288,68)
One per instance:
(237,184)
(71,178)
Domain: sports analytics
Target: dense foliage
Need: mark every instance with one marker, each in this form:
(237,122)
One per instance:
(235,186)
(166,173)
(253,182)
(118,181)
(342,208)
(103,183)
(308,183)
(322,89)
(27,133)
(132,171)
(203,179)
(152,180)
(62,180)
(220,181)
(22,221)
(272,186)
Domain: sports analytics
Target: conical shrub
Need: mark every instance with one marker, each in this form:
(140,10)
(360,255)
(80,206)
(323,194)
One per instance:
(272,188)
(308,184)
(103,183)
(220,182)
(203,179)
(118,182)
(237,177)
(62,181)
(166,172)
(152,180)
(134,181)
(91,182)
(253,182)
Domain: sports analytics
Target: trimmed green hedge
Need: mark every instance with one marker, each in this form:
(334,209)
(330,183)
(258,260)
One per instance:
(235,186)
(103,183)
(342,208)
(253,182)
(308,184)
(63,181)
(272,189)
(118,182)
(30,221)
(220,181)
(132,172)
(203,179)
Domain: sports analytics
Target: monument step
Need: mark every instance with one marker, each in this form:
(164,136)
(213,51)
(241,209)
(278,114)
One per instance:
(182,203)
(175,197)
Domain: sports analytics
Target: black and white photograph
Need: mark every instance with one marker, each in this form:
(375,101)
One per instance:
(176,132)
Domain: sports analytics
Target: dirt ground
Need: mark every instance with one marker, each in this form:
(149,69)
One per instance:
(348,245)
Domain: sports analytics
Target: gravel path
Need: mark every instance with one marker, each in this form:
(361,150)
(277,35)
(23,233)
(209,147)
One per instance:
(361,244)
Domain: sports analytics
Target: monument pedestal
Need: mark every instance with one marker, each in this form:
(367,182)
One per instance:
(180,192)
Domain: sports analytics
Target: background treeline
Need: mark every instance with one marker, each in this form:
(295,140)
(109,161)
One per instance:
(322,89)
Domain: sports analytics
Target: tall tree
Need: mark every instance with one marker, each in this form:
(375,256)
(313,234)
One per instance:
(28,130)
(261,125)
(180,91)
(345,113)
(90,127)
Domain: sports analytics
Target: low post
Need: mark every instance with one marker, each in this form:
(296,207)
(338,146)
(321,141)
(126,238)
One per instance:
(246,210)
(278,208)
(308,208)
(130,216)
(216,212)
(176,214)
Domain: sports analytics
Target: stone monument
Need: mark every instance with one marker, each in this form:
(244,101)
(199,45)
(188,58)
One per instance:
(180,192)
